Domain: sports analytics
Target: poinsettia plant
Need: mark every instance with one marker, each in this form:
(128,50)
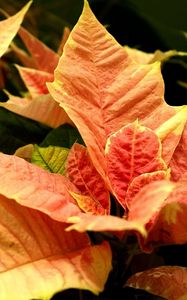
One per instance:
(109,180)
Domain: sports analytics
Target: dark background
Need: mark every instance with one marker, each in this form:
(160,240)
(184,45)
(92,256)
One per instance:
(146,24)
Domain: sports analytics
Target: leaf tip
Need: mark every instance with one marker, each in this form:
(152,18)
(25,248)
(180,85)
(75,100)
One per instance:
(26,7)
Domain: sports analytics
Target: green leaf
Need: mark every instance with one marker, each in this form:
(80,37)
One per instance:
(63,136)
(51,158)
(17,131)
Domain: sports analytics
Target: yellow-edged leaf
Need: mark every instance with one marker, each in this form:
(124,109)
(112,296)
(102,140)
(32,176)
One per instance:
(10,27)
(39,258)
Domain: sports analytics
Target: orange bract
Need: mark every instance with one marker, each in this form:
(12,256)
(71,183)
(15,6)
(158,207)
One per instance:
(44,258)
(102,89)
(168,282)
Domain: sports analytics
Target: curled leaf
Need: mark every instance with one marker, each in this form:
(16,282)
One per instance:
(25,152)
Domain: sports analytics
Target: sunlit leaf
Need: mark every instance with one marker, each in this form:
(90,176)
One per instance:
(88,222)
(101,89)
(39,258)
(10,27)
(63,41)
(36,188)
(51,158)
(169,282)
(81,171)
(130,152)
(170,133)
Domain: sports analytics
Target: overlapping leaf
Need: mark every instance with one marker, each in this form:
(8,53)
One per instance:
(25,152)
(130,152)
(178,162)
(35,80)
(42,109)
(138,217)
(170,133)
(10,27)
(38,258)
(142,57)
(101,89)
(169,282)
(81,171)
(139,56)
(51,158)
(169,224)
(36,188)
(140,181)
(44,58)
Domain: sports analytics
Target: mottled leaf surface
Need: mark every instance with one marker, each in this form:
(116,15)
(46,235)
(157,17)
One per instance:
(169,282)
(138,216)
(130,152)
(39,258)
(81,171)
